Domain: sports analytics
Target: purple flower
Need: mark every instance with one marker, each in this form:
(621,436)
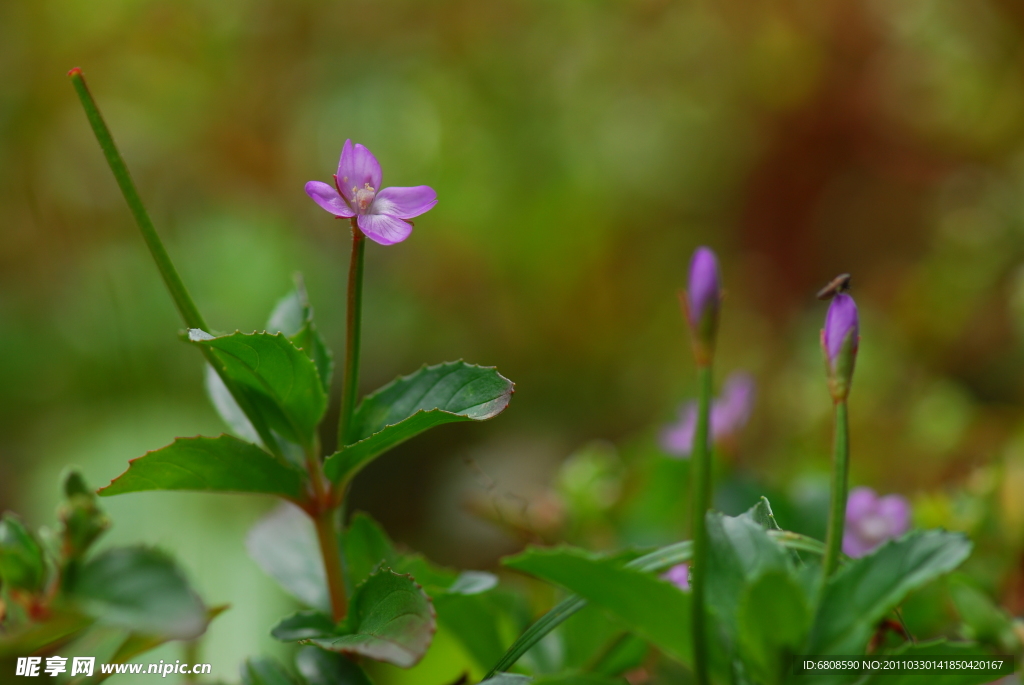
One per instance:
(679,575)
(841,324)
(380,213)
(729,413)
(703,294)
(871,520)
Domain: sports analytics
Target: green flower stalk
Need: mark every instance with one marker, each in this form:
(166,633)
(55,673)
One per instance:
(839,340)
(702,304)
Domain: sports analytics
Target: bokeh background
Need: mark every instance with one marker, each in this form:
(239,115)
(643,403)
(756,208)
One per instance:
(580,151)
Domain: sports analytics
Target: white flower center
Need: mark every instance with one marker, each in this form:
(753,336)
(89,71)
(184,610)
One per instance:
(874,528)
(362,198)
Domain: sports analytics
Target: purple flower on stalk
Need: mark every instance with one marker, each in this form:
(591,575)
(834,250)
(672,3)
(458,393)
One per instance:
(704,291)
(840,339)
(679,575)
(381,213)
(729,413)
(871,520)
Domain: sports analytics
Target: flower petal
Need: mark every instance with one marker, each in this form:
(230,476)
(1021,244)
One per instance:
(896,510)
(384,228)
(356,168)
(328,198)
(854,547)
(405,203)
(860,502)
(677,438)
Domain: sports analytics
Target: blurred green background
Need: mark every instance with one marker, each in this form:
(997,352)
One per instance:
(580,150)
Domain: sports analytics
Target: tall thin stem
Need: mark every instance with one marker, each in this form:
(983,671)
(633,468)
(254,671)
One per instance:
(353,322)
(840,486)
(182,299)
(700,486)
(179,293)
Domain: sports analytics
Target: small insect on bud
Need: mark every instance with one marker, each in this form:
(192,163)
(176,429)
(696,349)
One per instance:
(839,284)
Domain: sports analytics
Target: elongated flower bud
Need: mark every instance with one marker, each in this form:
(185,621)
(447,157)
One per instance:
(839,340)
(703,298)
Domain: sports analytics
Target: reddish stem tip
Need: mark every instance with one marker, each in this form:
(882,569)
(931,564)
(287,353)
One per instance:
(75,71)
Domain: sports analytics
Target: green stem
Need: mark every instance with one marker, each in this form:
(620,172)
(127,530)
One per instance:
(700,486)
(179,293)
(182,300)
(327,534)
(353,322)
(840,486)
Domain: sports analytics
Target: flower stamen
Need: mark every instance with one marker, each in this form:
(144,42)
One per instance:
(362,198)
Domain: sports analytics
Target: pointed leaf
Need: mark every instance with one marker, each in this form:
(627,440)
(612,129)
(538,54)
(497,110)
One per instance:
(327,668)
(662,615)
(434,395)
(285,546)
(390,619)
(279,380)
(867,589)
(143,590)
(304,625)
(293,316)
(762,514)
(222,464)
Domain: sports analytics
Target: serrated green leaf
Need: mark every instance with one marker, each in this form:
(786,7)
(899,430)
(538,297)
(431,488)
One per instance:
(868,588)
(293,316)
(327,668)
(651,607)
(304,625)
(222,464)
(471,619)
(22,565)
(264,671)
(284,544)
(280,381)
(773,621)
(141,589)
(937,648)
(409,405)
(390,619)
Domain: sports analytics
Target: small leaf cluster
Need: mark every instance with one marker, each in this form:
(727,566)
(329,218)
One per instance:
(55,589)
